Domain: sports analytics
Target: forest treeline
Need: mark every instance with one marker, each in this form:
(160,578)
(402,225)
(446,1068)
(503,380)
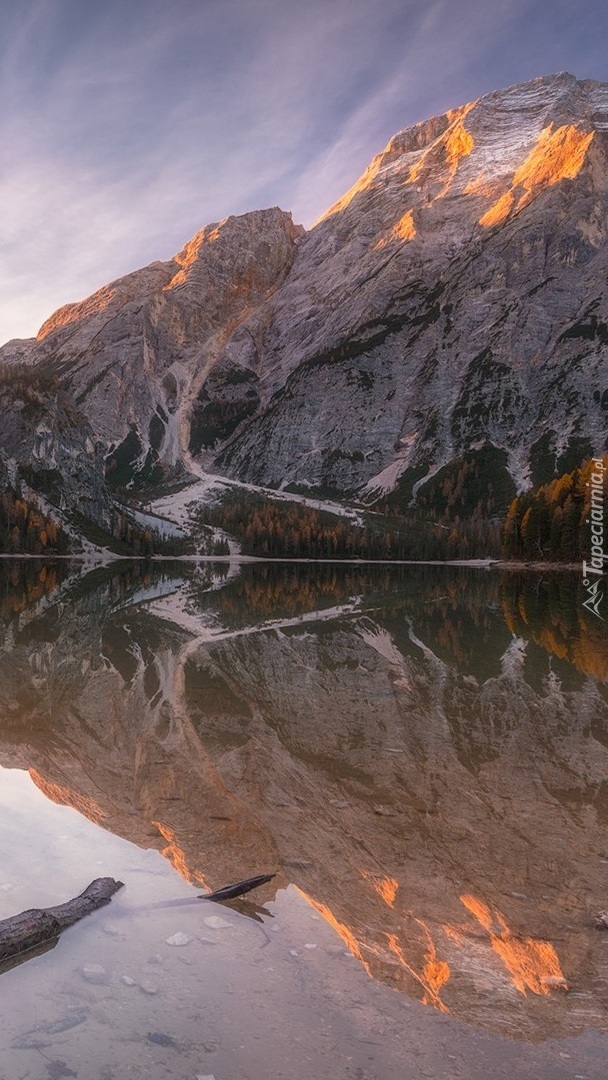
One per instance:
(271,528)
(25,529)
(125,536)
(551,522)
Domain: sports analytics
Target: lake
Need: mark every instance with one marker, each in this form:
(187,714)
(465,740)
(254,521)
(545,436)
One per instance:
(418,753)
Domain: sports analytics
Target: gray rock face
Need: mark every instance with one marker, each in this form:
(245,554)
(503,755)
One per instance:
(47,442)
(134,355)
(454,298)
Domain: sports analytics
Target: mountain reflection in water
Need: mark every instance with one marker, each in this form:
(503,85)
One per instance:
(422,751)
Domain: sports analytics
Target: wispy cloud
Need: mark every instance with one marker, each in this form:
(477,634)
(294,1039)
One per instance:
(450,39)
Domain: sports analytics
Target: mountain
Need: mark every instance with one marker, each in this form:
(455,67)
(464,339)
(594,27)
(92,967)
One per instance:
(451,307)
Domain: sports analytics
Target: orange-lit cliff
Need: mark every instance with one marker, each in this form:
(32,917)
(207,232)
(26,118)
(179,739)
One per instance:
(452,302)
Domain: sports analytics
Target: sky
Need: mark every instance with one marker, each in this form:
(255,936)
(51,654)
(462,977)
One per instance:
(127,125)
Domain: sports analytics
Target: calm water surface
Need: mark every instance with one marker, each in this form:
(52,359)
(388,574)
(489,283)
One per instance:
(420,754)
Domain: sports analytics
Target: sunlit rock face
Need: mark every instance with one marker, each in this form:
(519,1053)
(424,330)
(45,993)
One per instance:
(430,778)
(454,297)
(134,355)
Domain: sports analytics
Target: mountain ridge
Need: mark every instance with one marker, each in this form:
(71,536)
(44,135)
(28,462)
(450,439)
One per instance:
(452,302)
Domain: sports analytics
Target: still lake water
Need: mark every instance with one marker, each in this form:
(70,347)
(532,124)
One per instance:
(420,754)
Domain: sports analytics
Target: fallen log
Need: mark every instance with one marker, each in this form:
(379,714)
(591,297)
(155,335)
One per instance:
(36,926)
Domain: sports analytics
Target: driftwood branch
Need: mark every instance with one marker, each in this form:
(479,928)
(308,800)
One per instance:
(33,928)
(230,892)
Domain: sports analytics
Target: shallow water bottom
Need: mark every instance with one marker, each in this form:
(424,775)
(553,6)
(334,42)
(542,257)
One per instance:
(193,990)
(240,1000)
(420,754)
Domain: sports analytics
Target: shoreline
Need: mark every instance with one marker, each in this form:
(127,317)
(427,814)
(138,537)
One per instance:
(104,559)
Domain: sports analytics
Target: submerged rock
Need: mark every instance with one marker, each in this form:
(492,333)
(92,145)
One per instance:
(179,939)
(215,922)
(94,973)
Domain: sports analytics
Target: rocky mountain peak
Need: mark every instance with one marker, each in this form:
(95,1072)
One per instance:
(250,237)
(462,259)
(543,127)
(431,313)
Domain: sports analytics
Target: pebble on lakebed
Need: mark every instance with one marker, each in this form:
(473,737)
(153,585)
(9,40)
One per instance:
(216,922)
(94,973)
(179,939)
